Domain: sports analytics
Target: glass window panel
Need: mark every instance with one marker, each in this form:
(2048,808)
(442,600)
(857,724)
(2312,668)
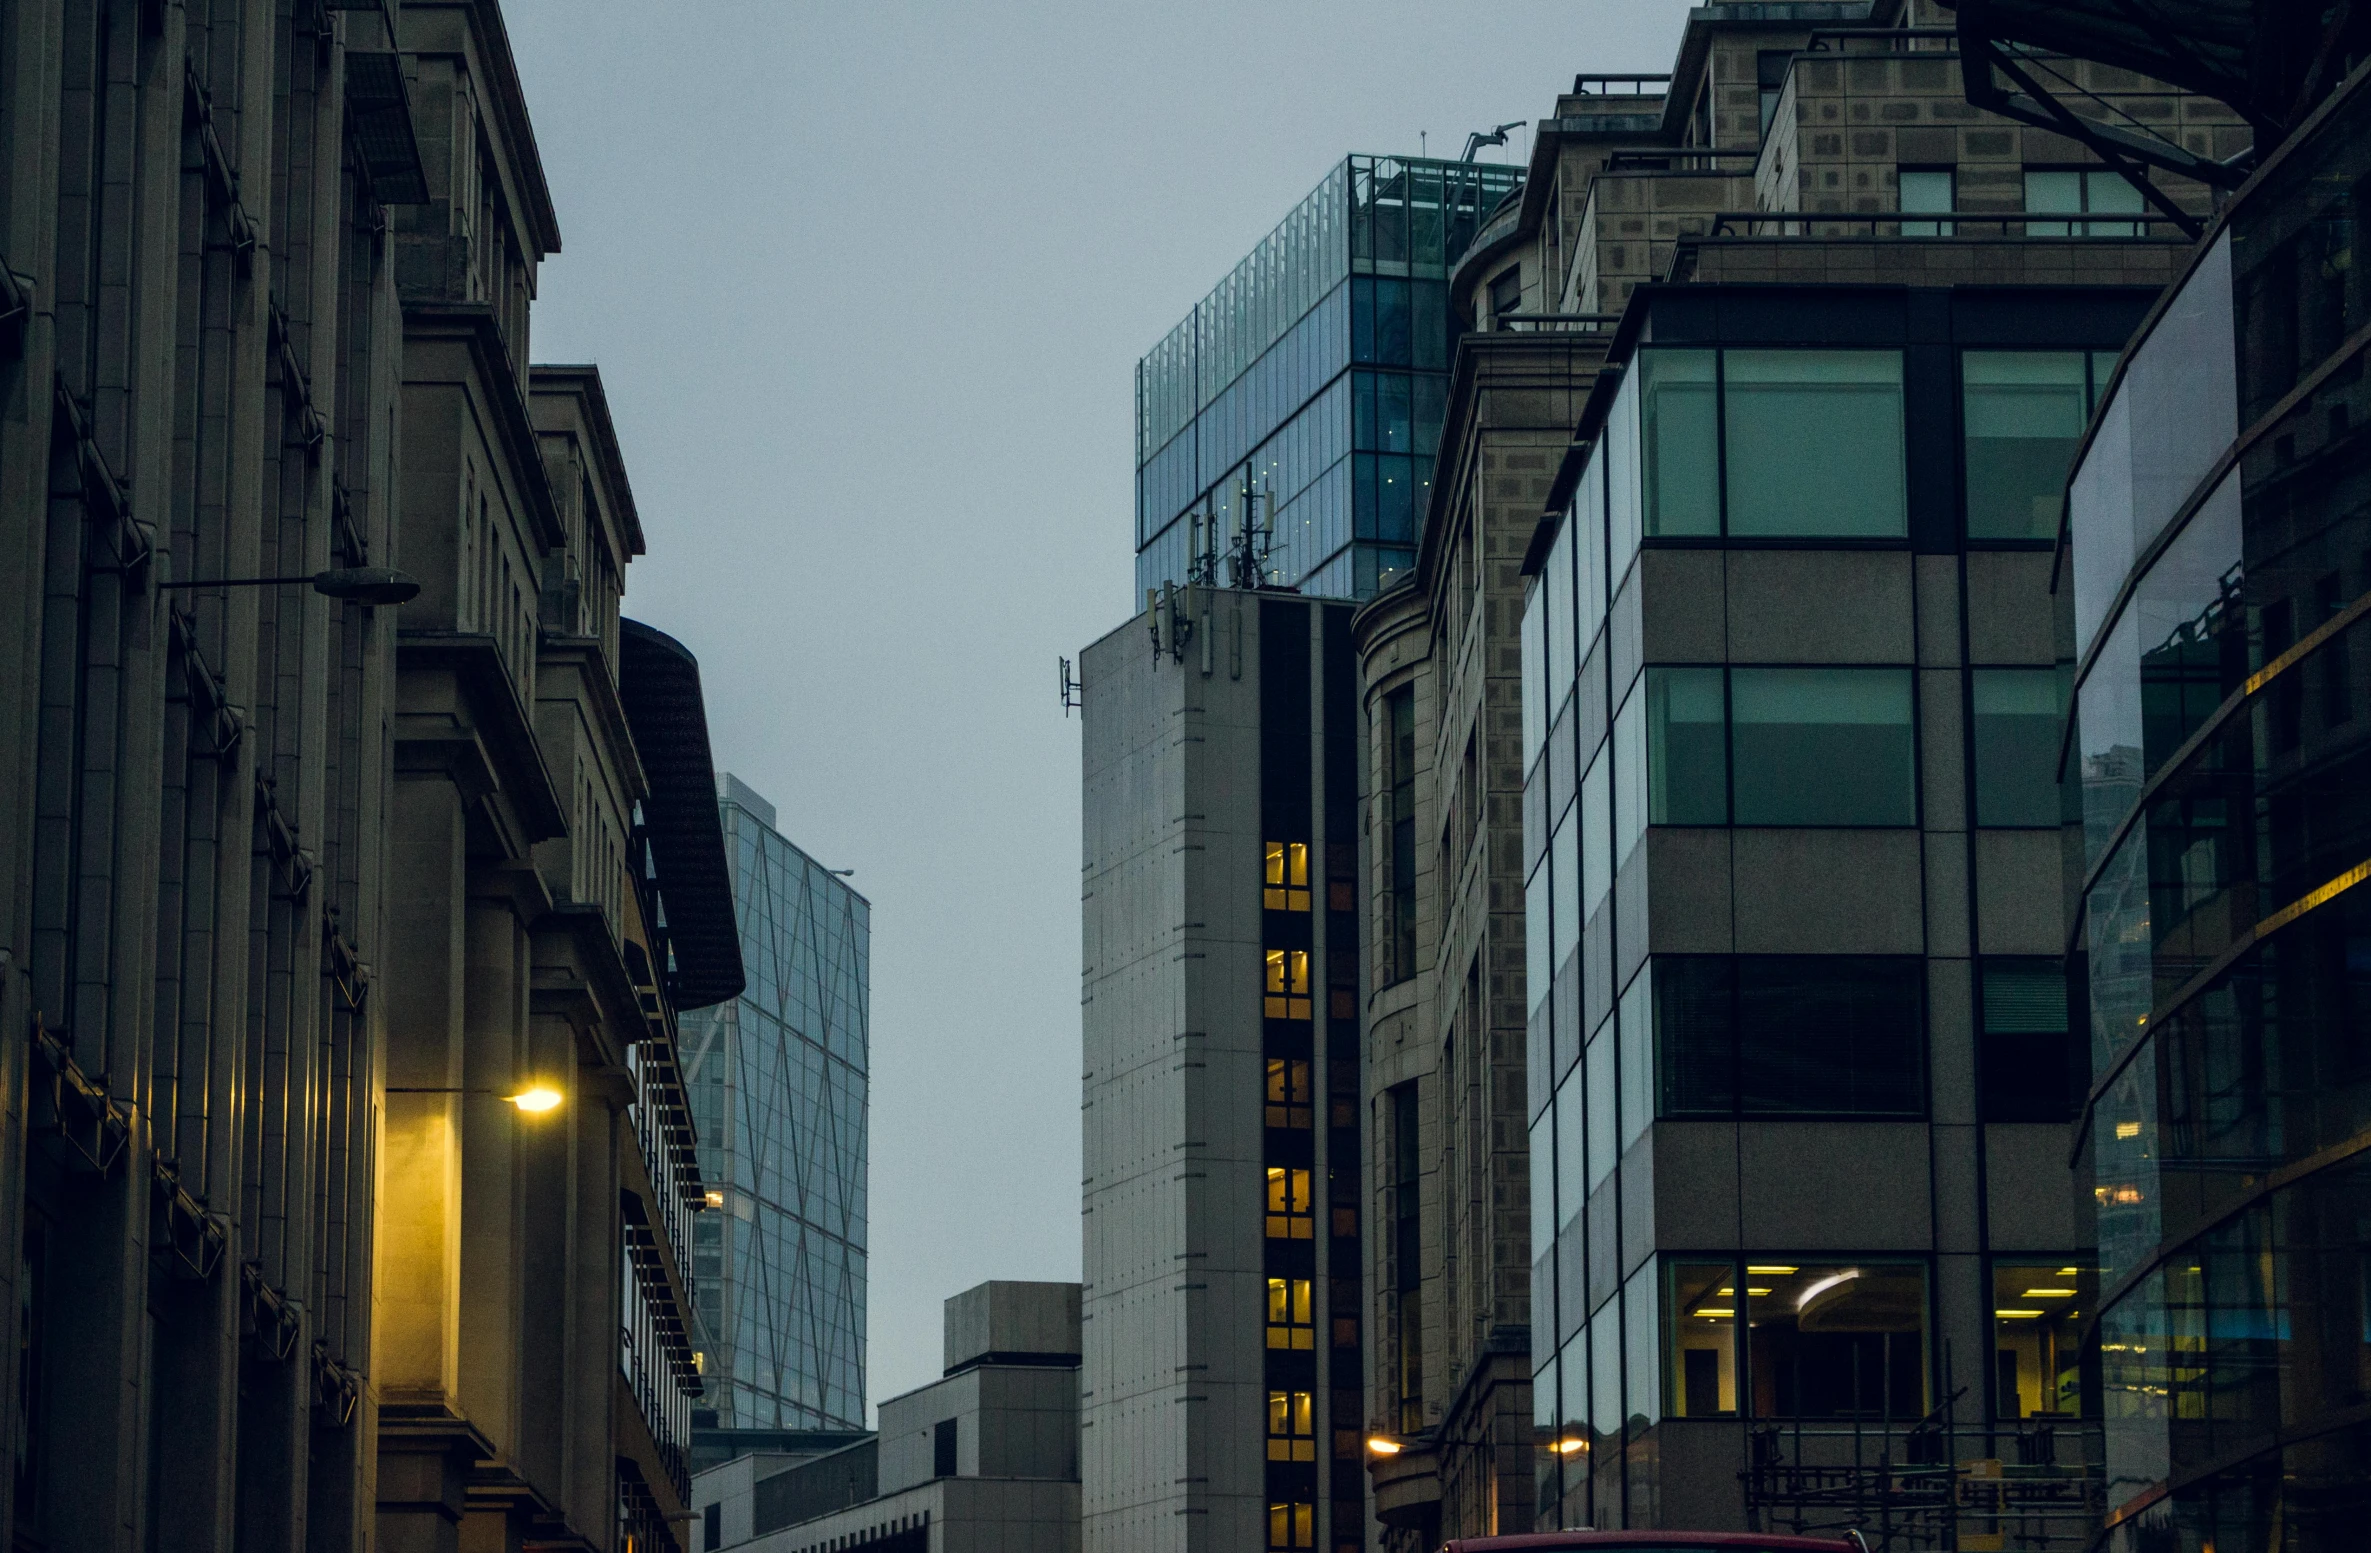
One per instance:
(1700,1322)
(1696,1034)
(1923,190)
(1565,859)
(2018,717)
(1538,968)
(1605,1377)
(2024,413)
(1687,747)
(1394,415)
(1588,510)
(1630,778)
(1619,443)
(1823,747)
(1391,323)
(1604,1126)
(2053,193)
(1535,666)
(2038,1311)
(1572,1187)
(2035,1068)
(1597,831)
(1572,1363)
(1831,1034)
(1556,580)
(1836,1340)
(1642,1301)
(1635,1019)
(1680,446)
(1543,1186)
(1795,419)
(1395,518)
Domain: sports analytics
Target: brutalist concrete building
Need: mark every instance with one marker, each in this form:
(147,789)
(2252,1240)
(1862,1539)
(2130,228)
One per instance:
(1222,1402)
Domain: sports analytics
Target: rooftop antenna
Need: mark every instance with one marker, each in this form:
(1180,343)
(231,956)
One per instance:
(1254,540)
(1496,137)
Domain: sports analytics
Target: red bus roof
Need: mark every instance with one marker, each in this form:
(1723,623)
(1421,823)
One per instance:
(1579,1541)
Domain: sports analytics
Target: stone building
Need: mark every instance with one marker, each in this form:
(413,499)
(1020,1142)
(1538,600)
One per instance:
(343,1154)
(1645,223)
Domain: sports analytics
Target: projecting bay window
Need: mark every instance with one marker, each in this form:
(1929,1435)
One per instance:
(1291,1211)
(1288,984)
(1288,1093)
(1289,1324)
(1292,1426)
(1287,877)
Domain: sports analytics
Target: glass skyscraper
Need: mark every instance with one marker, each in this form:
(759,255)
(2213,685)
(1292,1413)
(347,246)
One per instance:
(1313,377)
(778,1089)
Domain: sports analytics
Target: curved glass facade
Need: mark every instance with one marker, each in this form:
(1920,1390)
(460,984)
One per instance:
(2221,546)
(1313,376)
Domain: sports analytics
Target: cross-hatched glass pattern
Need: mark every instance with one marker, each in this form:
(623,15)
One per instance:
(1314,376)
(779,1093)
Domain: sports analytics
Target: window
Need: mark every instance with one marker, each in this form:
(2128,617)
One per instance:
(1289,1323)
(1770,68)
(2023,414)
(1790,1035)
(1408,1255)
(2034,1068)
(1292,1428)
(1795,418)
(2017,718)
(1292,1526)
(1286,877)
(1564,857)
(1687,747)
(1290,1216)
(712,1526)
(1288,984)
(1923,190)
(1679,441)
(1400,715)
(1506,291)
(2038,1310)
(1838,1340)
(1700,1326)
(1288,1093)
(2081,191)
(942,1448)
(1822,747)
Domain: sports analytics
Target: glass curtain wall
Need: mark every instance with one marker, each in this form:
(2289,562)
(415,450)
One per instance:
(1312,381)
(2221,530)
(780,1101)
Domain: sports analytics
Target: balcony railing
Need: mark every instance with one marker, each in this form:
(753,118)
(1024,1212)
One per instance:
(1554,323)
(1992,224)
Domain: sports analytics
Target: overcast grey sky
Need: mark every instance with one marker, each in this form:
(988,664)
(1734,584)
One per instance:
(867,284)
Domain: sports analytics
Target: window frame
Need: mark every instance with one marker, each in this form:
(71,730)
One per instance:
(1949,171)
(1728,671)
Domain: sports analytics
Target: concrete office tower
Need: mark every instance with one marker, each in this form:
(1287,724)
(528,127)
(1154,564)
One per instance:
(1222,1405)
(2220,572)
(299,888)
(779,1091)
(1311,377)
(983,1460)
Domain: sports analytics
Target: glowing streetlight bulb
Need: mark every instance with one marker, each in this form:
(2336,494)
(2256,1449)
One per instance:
(537,1097)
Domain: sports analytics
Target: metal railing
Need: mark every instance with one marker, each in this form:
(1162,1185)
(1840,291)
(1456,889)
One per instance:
(2135,225)
(1553,323)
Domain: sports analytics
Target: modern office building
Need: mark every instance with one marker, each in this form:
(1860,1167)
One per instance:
(982,1460)
(778,1087)
(1802,1077)
(343,1161)
(1222,1404)
(2217,558)
(1311,378)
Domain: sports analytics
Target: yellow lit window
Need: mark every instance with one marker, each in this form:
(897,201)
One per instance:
(1288,1205)
(1292,1526)
(1288,984)
(1292,1427)
(1286,876)
(1289,1325)
(1288,1093)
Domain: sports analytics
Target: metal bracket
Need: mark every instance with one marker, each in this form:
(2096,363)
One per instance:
(84,1114)
(191,1241)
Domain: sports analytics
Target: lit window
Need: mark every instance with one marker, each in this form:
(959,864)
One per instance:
(1289,1323)
(1292,1427)
(1287,876)
(1701,1328)
(1288,983)
(1289,1214)
(2038,1310)
(1837,1341)
(1292,1526)
(1288,1093)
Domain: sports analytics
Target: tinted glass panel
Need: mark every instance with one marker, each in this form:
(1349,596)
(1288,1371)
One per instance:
(1687,747)
(1831,1033)
(1823,747)
(1679,427)
(2034,1069)
(2018,717)
(1838,1340)
(1797,420)
(2024,413)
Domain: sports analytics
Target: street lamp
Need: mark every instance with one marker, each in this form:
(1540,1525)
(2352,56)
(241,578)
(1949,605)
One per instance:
(349,584)
(534,1099)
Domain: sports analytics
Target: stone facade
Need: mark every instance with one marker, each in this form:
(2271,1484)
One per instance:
(297,889)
